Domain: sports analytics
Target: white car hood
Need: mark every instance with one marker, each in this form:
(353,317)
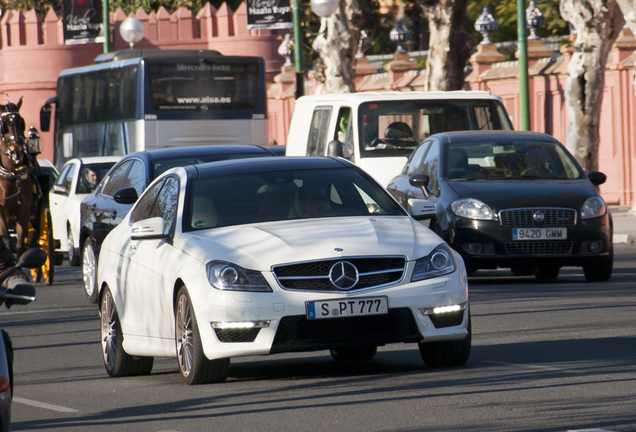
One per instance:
(260,246)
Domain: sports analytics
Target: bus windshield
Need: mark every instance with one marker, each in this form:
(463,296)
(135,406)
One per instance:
(203,85)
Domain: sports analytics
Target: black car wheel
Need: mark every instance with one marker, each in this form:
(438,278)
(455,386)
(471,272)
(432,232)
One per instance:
(194,366)
(118,362)
(600,271)
(354,353)
(73,255)
(546,272)
(447,353)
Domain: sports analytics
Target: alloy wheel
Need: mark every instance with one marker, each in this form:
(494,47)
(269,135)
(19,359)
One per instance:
(184,335)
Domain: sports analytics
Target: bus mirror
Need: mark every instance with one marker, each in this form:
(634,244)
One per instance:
(45,118)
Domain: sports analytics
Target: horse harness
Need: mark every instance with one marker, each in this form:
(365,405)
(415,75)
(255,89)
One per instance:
(8,124)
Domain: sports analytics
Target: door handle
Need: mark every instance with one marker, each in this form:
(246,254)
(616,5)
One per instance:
(113,214)
(132,248)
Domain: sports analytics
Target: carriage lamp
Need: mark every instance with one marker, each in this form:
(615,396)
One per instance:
(34,144)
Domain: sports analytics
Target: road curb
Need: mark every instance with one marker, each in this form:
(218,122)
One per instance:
(624,238)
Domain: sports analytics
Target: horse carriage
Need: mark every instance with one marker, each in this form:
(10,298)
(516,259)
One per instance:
(25,219)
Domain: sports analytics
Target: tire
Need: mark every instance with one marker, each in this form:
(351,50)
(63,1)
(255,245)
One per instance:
(546,272)
(194,366)
(89,271)
(354,353)
(73,255)
(447,353)
(116,361)
(600,271)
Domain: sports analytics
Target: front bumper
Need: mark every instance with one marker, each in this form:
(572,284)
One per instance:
(587,241)
(288,329)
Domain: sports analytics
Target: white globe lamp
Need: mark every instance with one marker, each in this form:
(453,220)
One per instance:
(132,31)
(324,8)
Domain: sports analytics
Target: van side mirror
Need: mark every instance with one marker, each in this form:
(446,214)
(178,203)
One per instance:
(45,118)
(597,178)
(335,149)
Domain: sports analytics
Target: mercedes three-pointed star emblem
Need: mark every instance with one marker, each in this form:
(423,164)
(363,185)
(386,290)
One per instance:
(344,275)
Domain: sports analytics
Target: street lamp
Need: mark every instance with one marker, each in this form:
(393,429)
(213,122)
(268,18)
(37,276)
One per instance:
(322,8)
(400,35)
(132,31)
(524,100)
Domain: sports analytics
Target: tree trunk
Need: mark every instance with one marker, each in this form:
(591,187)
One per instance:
(450,44)
(337,44)
(597,23)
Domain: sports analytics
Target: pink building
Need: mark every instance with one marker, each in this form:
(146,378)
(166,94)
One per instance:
(32,53)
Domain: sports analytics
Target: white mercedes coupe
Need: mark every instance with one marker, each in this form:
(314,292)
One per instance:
(271,255)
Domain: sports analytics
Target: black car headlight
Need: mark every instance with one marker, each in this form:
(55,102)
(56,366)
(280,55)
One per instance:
(230,277)
(593,207)
(471,208)
(438,263)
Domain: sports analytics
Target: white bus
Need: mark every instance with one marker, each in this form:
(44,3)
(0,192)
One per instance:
(143,99)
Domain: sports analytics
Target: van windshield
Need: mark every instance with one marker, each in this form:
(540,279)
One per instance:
(395,128)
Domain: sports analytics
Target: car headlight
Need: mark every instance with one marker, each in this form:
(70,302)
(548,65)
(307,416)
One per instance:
(472,209)
(230,277)
(438,263)
(593,207)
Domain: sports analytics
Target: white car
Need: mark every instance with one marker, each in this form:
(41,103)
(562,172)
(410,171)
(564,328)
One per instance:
(78,178)
(271,255)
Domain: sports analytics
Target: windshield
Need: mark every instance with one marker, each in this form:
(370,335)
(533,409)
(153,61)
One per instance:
(395,128)
(514,160)
(284,195)
(202,85)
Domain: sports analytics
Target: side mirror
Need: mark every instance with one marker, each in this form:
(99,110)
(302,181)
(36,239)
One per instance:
(335,149)
(420,181)
(33,258)
(148,229)
(597,178)
(126,196)
(421,209)
(45,118)
(60,189)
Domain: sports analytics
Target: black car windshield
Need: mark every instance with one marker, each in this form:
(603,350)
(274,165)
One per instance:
(395,128)
(519,160)
(283,195)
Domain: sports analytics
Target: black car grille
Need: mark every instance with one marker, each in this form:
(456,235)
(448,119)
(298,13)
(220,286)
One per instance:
(297,333)
(525,217)
(539,248)
(314,276)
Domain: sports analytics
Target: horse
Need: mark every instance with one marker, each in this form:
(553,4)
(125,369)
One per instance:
(16,176)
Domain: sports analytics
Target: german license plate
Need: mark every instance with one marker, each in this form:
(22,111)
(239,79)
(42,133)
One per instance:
(539,233)
(347,308)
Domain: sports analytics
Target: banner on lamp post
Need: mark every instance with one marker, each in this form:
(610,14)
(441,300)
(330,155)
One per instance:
(268,14)
(83,22)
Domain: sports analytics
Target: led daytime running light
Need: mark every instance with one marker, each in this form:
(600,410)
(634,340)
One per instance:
(239,324)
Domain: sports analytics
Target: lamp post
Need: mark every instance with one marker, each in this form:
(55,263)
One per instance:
(322,8)
(524,100)
(132,31)
(400,35)
(106,25)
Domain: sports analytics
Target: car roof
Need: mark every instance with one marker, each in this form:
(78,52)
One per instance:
(491,135)
(188,151)
(399,96)
(287,163)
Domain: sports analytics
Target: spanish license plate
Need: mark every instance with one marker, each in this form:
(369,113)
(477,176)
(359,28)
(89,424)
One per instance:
(539,233)
(347,308)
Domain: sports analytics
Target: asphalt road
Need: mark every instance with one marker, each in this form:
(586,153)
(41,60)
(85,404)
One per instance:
(546,357)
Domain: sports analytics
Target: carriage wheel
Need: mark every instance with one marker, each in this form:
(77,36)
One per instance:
(46,242)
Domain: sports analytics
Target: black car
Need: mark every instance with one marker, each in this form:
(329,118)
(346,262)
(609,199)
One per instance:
(510,199)
(108,204)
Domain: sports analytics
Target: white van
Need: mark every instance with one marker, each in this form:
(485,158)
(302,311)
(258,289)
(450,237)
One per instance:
(378,131)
